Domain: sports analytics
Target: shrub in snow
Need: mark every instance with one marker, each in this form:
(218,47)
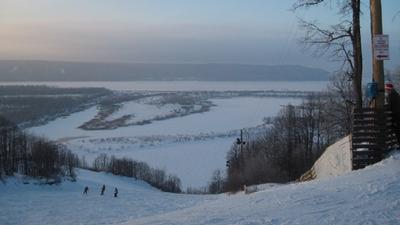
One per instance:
(138,170)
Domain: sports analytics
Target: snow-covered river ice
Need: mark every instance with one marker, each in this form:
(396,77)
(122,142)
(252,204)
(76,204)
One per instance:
(192,146)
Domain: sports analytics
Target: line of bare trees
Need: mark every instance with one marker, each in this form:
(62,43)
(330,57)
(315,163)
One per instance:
(33,156)
(37,157)
(157,178)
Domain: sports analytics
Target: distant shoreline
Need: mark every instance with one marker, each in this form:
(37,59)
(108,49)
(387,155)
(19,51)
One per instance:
(162,86)
(25,70)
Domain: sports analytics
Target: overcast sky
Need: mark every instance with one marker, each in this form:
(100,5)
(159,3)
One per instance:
(172,31)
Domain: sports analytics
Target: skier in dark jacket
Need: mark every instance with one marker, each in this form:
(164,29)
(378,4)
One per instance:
(86,190)
(116,192)
(393,101)
(103,188)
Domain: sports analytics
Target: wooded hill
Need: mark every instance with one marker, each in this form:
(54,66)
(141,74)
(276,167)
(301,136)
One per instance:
(84,71)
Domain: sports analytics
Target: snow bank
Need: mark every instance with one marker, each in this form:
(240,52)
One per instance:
(335,161)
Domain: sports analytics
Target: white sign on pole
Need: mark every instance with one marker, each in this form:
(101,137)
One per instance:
(381,47)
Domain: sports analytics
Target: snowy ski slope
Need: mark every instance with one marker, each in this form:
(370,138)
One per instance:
(368,196)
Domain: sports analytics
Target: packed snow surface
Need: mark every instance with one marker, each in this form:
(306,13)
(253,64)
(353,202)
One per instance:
(368,196)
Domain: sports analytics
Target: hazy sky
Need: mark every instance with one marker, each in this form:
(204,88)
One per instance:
(177,31)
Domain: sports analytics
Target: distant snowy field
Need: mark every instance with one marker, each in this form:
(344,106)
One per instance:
(368,196)
(193,146)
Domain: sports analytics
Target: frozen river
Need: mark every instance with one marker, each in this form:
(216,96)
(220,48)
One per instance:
(228,114)
(158,143)
(192,161)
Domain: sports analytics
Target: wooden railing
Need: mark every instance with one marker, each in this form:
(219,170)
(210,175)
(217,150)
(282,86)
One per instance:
(372,137)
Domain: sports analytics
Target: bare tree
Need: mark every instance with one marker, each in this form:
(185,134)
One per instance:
(287,120)
(342,39)
(216,184)
(340,101)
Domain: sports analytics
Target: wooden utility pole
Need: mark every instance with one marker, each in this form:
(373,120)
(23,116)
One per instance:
(377,65)
(357,51)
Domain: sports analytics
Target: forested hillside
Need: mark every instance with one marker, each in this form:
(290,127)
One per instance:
(80,71)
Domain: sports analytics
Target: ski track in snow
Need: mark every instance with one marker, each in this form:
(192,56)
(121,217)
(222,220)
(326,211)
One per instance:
(65,204)
(368,196)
